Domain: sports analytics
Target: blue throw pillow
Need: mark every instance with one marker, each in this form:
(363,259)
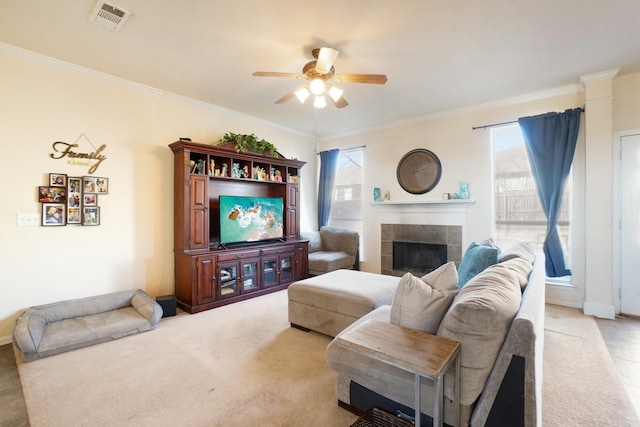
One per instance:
(475,260)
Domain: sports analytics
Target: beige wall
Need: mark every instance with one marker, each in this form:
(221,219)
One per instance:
(45,101)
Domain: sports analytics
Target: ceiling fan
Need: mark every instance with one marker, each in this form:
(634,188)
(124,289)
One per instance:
(321,73)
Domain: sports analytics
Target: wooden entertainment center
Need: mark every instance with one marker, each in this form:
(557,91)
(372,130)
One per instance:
(208,274)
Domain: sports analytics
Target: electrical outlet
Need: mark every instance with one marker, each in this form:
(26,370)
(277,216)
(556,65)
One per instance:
(27,220)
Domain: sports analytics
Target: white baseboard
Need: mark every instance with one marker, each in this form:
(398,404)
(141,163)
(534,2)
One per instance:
(603,311)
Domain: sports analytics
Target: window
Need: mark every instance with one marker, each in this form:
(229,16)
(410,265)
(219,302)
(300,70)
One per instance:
(518,214)
(346,207)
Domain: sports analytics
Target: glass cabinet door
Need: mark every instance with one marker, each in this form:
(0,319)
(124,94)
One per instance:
(228,280)
(270,271)
(286,268)
(249,276)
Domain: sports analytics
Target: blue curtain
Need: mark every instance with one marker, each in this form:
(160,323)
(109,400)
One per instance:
(551,141)
(328,166)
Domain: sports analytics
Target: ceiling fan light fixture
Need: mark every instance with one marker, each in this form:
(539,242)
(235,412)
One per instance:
(302,94)
(317,87)
(320,102)
(335,93)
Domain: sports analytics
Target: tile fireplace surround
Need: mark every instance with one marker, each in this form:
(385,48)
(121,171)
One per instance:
(436,222)
(450,235)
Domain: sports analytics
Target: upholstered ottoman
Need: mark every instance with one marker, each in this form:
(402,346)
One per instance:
(330,302)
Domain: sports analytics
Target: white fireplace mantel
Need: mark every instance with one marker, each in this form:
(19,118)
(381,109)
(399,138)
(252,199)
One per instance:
(452,205)
(445,212)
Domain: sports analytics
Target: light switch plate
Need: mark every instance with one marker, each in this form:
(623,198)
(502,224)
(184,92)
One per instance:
(27,220)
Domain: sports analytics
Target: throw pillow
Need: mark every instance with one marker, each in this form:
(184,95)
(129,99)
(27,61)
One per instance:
(421,303)
(475,260)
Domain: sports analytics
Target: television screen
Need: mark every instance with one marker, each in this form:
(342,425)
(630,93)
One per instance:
(250,219)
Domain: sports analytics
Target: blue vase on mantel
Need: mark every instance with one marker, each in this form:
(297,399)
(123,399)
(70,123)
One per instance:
(463,193)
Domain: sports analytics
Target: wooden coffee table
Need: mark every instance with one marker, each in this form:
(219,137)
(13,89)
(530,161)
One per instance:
(423,354)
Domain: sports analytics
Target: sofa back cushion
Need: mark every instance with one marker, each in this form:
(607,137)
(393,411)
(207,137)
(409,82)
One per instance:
(421,303)
(479,318)
(339,240)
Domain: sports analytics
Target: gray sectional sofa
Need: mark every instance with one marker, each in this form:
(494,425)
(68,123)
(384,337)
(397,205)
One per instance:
(498,317)
(54,328)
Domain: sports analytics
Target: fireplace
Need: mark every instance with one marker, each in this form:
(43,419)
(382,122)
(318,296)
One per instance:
(418,248)
(418,258)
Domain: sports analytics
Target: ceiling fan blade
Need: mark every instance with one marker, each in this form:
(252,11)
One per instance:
(286,97)
(326,58)
(378,79)
(276,74)
(340,103)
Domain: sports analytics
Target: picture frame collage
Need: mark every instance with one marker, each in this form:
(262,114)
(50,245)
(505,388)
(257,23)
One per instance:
(71,199)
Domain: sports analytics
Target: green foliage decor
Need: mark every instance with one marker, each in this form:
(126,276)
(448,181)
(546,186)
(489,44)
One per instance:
(248,143)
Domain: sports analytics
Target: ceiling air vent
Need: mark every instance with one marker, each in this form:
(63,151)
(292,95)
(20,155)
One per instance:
(109,15)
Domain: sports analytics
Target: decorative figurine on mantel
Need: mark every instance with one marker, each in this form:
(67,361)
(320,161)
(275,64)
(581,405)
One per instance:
(463,193)
(225,167)
(377,195)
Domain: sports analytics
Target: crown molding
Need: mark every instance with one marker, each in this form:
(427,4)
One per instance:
(88,72)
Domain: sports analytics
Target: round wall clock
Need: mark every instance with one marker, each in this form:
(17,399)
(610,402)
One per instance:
(419,171)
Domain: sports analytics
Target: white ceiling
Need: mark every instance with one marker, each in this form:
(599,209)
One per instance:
(437,54)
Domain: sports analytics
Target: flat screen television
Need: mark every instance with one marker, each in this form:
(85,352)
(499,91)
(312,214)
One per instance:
(250,219)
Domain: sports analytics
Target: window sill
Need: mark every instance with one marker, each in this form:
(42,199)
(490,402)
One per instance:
(561,282)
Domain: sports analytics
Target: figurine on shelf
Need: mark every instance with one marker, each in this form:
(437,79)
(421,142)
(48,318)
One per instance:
(224,169)
(192,166)
(200,166)
(212,167)
(245,172)
(387,196)
(278,177)
(235,170)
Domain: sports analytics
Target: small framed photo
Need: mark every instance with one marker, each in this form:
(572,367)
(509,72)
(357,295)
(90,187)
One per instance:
(74,215)
(57,180)
(53,214)
(74,194)
(90,200)
(52,195)
(102,185)
(74,184)
(91,215)
(89,184)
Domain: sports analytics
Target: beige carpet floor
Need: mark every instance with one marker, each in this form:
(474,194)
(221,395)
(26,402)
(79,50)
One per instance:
(242,365)
(581,385)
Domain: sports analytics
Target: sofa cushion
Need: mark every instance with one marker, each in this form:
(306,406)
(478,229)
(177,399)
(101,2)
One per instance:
(519,250)
(479,318)
(421,303)
(322,261)
(339,240)
(521,267)
(475,260)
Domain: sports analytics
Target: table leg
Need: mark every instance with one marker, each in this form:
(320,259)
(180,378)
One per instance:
(417,405)
(437,410)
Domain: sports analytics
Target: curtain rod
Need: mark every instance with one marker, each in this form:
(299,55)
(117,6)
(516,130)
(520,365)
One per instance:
(347,149)
(503,123)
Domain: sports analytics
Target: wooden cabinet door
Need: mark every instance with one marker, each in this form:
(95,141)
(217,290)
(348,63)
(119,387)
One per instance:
(292,225)
(301,261)
(198,212)
(205,279)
